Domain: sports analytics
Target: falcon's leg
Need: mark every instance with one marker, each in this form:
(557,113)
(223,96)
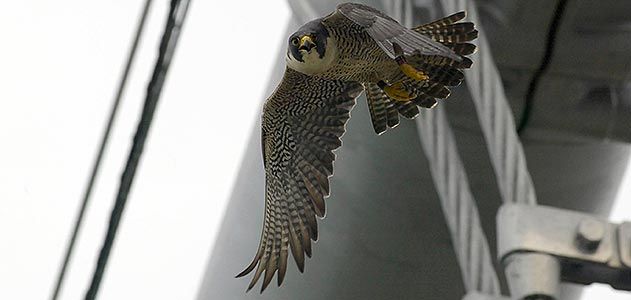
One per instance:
(406,68)
(397,91)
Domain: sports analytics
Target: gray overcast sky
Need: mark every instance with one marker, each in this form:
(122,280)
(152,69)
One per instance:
(60,64)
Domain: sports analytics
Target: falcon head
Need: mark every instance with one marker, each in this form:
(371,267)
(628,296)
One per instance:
(311,50)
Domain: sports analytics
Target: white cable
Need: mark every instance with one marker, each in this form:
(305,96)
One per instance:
(458,204)
(448,173)
(496,118)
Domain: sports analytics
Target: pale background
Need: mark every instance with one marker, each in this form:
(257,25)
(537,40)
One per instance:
(59,65)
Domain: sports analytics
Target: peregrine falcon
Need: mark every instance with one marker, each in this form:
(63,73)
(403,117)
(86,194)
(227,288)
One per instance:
(330,61)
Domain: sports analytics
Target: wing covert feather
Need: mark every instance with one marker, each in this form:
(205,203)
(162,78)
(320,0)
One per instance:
(385,31)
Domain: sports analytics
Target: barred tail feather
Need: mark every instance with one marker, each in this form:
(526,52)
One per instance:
(461,48)
(384,112)
(444,72)
(448,20)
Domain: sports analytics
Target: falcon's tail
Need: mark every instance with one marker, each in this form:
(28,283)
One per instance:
(455,35)
(451,34)
(384,112)
(443,72)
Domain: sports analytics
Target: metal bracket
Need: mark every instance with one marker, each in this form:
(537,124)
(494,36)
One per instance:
(537,244)
(624,240)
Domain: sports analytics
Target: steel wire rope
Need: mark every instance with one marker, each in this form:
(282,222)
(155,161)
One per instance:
(450,179)
(495,116)
(175,19)
(101,152)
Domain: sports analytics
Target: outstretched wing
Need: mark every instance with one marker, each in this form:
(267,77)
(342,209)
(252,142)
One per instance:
(385,31)
(303,121)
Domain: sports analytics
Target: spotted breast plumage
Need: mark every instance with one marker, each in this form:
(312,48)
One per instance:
(330,61)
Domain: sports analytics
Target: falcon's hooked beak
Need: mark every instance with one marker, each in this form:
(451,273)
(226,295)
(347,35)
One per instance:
(306,43)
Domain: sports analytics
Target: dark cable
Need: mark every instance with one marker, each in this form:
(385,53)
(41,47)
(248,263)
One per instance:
(543,66)
(176,17)
(99,157)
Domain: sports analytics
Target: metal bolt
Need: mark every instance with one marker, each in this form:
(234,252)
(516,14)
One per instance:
(590,234)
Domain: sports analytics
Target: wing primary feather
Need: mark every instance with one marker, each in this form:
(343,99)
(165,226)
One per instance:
(296,248)
(272,262)
(313,226)
(250,267)
(270,269)
(302,124)
(287,214)
(316,198)
(259,270)
(306,241)
(262,263)
(282,263)
(316,178)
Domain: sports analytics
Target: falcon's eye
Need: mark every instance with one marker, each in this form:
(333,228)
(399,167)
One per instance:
(295,41)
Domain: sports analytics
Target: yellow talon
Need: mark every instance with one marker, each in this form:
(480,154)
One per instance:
(398,92)
(413,73)
(406,68)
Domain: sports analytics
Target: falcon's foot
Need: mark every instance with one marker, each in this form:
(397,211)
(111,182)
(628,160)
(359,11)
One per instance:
(413,73)
(397,91)
(406,68)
